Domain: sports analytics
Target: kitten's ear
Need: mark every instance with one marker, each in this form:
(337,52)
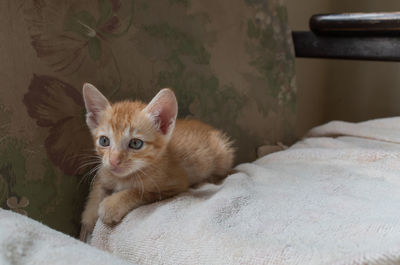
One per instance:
(95,104)
(163,109)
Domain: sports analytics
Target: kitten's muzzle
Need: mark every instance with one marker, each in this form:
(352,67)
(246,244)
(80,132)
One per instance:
(117,170)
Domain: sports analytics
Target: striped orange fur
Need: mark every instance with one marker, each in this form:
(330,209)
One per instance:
(174,154)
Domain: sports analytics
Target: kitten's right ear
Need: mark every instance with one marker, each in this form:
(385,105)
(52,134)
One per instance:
(95,104)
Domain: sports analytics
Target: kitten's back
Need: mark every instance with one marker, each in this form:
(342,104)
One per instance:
(202,151)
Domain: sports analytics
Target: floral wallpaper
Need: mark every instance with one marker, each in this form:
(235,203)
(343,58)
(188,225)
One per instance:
(230,63)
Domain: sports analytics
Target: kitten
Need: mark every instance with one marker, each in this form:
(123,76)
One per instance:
(146,155)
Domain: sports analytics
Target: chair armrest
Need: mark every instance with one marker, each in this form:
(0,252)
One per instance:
(357,36)
(309,45)
(362,24)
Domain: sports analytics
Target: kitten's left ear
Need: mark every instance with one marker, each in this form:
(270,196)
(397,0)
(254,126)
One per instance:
(163,109)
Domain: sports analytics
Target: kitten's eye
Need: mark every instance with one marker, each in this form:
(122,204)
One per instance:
(135,143)
(104,141)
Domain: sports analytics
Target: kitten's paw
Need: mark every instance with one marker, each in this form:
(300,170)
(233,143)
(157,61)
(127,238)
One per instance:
(89,218)
(85,233)
(111,211)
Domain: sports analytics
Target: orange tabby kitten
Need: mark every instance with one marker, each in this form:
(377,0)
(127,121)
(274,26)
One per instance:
(146,155)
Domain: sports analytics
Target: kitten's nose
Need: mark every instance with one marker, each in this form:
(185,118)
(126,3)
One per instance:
(115,161)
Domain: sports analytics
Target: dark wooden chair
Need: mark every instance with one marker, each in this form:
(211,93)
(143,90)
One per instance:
(355,36)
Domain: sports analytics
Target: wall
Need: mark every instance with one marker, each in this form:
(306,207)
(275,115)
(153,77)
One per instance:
(337,89)
(230,63)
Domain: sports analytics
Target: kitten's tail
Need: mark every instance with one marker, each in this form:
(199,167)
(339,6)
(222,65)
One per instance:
(224,153)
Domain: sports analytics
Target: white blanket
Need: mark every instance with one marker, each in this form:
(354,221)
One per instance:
(322,201)
(24,241)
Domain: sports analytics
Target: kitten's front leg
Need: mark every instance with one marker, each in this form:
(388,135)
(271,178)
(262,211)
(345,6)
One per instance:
(114,207)
(90,215)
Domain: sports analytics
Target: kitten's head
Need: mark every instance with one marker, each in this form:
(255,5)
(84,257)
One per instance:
(129,135)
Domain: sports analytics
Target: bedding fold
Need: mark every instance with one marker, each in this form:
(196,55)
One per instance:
(28,242)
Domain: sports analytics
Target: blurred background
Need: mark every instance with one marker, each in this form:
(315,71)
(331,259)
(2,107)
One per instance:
(341,89)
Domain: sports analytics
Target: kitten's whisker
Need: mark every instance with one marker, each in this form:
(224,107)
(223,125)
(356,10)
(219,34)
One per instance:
(86,165)
(153,181)
(95,158)
(134,182)
(94,170)
(141,195)
(91,183)
(88,157)
(91,160)
(83,179)
(89,163)
(87,175)
(137,182)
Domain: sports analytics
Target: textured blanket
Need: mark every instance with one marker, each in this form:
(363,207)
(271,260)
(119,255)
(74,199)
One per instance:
(323,201)
(24,241)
